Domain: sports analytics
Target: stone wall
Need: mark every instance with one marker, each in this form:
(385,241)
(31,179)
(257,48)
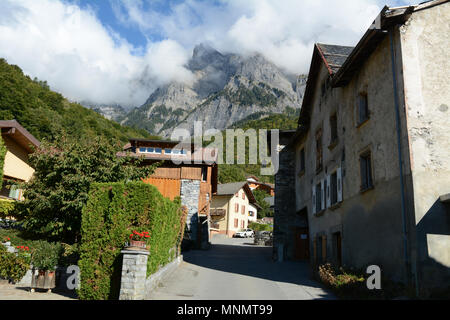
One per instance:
(190,192)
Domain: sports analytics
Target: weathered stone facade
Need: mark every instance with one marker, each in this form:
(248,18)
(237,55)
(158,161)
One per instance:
(190,192)
(397,221)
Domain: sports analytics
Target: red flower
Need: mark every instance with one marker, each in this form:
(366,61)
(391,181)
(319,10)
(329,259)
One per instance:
(26,248)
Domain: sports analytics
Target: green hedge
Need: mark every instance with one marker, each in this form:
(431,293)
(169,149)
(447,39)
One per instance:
(6,208)
(2,159)
(111,213)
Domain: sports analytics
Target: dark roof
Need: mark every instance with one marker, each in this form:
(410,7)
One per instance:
(19,134)
(229,189)
(333,56)
(226,189)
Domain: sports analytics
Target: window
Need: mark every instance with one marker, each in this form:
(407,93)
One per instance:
(302,160)
(243,195)
(150,150)
(178,151)
(236,207)
(318,197)
(168,151)
(236,223)
(204,174)
(319,150)
(334,188)
(363,107)
(15,193)
(243,210)
(366,171)
(243,224)
(333,128)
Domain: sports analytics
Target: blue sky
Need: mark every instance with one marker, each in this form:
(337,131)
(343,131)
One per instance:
(119,51)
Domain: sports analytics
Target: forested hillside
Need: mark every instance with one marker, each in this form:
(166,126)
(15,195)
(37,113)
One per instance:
(47,114)
(239,172)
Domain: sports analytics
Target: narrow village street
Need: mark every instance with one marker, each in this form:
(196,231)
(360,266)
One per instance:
(235,269)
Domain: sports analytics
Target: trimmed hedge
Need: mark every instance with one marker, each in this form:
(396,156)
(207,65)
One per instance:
(111,213)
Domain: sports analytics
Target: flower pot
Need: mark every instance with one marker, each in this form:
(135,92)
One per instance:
(43,279)
(138,244)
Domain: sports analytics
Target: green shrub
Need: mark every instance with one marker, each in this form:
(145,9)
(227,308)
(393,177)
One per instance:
(112,211)
(45,255)
(12,266)
(6,207)
(69,254)
(259,226)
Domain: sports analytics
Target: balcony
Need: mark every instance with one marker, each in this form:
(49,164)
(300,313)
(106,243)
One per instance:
(217,212)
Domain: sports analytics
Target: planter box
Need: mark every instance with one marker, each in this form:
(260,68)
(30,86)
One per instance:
(137,244)
(43,279)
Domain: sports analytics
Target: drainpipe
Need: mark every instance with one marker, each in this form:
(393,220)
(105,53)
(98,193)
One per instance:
(400,162)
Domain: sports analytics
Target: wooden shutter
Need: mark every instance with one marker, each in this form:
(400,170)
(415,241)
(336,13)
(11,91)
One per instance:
(328,191)
(324,249)
(339,184)
(322,194)
(314,199)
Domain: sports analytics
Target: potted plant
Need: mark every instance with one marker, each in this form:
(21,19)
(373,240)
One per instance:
(44,260)
(137,239)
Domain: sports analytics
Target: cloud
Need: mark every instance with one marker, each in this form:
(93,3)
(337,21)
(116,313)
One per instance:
(283,31)
(85,59)
(81,58)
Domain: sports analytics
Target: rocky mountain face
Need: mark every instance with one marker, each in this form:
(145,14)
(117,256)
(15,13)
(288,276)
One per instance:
(109,111)
(227,88)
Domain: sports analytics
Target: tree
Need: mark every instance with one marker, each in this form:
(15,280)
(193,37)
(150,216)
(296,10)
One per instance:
(259,197)
(64,171)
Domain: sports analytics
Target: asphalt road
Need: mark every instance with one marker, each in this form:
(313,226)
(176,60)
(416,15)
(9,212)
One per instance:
(235,269)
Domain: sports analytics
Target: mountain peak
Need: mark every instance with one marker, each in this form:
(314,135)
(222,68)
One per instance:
(204,55)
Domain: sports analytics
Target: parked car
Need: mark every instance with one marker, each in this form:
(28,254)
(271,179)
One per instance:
(244,233)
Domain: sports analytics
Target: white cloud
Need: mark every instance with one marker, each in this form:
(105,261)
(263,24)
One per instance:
(81,58)
(283,31)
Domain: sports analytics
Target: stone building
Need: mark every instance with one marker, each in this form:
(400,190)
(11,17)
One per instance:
(371,155)
(184,172)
